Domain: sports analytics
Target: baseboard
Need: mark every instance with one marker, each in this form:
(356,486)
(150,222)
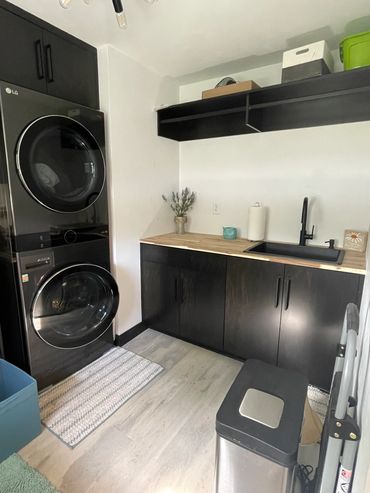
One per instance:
(122,339)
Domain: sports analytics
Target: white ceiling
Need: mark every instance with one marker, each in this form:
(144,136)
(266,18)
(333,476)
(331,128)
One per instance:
(177,37)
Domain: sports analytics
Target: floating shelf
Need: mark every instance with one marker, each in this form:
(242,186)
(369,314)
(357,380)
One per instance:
(331,99)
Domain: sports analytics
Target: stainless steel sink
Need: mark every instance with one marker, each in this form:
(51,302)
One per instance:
(319,254)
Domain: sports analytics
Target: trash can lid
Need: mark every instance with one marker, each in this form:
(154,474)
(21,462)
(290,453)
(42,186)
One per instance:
(263,411)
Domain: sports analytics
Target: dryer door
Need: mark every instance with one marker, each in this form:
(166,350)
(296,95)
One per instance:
(60,164)
(75,306)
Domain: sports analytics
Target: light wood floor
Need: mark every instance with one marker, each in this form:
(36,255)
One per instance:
(161,441)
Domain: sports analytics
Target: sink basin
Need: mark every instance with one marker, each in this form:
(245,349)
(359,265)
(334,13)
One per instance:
(319,254)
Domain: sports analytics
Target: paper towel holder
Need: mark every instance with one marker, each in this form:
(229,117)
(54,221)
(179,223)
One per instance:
(256,222)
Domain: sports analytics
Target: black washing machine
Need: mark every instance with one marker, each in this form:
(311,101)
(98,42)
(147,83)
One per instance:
(67,300)
(52,167)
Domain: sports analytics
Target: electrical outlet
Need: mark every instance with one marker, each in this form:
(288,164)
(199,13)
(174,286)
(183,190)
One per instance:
(215,209)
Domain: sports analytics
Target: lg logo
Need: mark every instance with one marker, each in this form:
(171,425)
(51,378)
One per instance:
(8,90)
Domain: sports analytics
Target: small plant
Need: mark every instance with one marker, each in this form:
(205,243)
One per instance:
(180,203)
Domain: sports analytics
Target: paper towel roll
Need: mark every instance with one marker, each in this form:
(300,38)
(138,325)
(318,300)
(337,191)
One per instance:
(256,222)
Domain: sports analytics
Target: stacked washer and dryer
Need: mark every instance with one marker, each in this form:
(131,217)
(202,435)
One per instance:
(58,298)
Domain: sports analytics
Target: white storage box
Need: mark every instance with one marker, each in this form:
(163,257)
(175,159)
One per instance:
(307,61)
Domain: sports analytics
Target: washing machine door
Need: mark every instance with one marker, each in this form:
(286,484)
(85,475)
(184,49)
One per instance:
(60,164)
(75,306)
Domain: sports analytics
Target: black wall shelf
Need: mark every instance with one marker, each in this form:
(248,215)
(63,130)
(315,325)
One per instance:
(331,99)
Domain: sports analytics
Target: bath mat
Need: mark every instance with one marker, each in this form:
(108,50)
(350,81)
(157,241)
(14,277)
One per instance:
(319,401)
(16,476)
(75,407)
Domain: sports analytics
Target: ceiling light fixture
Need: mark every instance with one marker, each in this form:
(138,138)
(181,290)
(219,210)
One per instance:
(120,14)
(65,3)
(118,8)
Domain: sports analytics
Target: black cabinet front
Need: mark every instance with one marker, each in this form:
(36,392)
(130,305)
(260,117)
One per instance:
(71,70)
(312,315)
(159,289)
(44,60)
(253,307)
(202,298)
(21,52)
(183,294)
(285,315)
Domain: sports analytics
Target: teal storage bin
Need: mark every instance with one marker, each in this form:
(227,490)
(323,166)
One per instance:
(19,409)
(229,233)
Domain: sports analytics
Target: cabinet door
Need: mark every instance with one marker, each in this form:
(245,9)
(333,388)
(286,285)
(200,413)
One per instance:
(253,307)
(202,298)
(21,55)
(312,316)
(159,290)
(159,297)
(71,70)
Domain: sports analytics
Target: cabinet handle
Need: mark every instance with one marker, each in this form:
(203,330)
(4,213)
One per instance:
(181,291)
(39,61)
(287,293)
(175,290)
(49,63)
(277,291)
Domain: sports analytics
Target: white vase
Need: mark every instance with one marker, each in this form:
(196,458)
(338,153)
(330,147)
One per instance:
(180,222)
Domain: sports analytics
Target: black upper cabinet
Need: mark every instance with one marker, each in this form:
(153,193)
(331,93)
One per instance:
(313,308)
(21,52)
(71,70)
(253,306)
(38,56)
(334,98)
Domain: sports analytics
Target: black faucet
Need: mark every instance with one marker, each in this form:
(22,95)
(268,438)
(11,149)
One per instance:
(304,236)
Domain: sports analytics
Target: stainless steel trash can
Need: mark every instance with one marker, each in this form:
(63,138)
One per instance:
(258,430)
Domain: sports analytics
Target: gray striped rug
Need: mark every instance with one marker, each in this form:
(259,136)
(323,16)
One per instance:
(75,407)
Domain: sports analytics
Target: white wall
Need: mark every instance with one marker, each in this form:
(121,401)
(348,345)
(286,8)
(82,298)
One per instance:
(141,167)
(328,164)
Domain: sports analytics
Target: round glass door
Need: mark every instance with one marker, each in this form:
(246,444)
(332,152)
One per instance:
(60,164)
(75,306)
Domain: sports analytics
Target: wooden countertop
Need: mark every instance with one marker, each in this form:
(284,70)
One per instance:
(353,262)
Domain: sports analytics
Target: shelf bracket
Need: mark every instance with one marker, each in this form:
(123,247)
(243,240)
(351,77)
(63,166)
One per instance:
(249,125)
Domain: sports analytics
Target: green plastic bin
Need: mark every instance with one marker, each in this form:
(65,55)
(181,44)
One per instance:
(19,409)
(355,51)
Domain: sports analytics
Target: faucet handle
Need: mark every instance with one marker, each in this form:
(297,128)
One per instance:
(310,236)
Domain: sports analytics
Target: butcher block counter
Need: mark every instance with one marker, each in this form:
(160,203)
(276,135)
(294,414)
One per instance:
(353,262)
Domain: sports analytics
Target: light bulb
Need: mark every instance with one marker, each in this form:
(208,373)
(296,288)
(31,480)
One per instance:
(150,1)
(121,19)
(65,3)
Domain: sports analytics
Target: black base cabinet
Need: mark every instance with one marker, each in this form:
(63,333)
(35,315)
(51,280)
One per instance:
(159,288)
(183,294)
(252,315)
(312,315)
(284,315)
(287,315)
